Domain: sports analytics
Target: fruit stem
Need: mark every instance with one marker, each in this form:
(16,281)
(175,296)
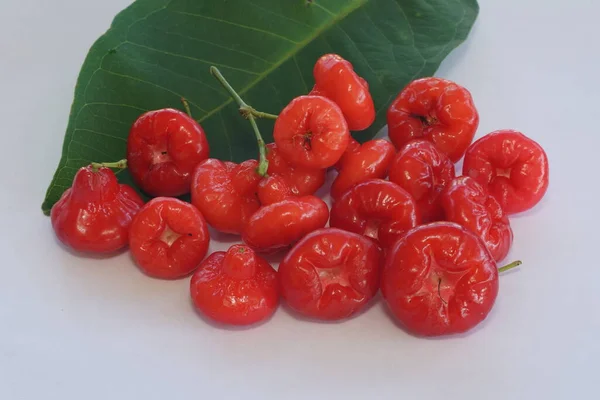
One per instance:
(186,106)
(121,164)
(263,164)
(246,110)
(512,265)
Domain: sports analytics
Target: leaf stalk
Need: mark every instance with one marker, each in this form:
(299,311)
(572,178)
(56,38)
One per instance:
(251,114)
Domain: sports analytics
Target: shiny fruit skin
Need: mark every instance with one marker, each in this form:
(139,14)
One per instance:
(273,189)
(336,79)
(226,193)
(330,274)
(94,215)
(424,172)
(511,166)
(281,224)
(236,287)
(163,148)
(301,181)
(468,204)
(437,110)
(370,160)
(439,279)
(311,132)
(377,209)
(168,238)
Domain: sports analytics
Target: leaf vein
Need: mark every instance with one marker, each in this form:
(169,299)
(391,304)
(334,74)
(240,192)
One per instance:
(133,78)
(98,133)
(251,28)
(300,73)
(189,57)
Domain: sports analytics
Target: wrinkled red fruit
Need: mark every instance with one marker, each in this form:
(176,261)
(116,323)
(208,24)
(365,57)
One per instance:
(439,279)
(335,79)
(311,132)
(279,225)
(437,110)
(168,238)
(468,204)
(163,148)
(376,208)
(424,172)
(301,181)
(225,193)
(511,166)
(94,215)
(367,161)
(273,189)
(236,287)
(330,274)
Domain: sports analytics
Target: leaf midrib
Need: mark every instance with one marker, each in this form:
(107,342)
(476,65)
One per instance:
(344,13)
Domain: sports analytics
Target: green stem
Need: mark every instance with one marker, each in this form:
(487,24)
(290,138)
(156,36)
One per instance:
(121,164)
(263,165)
(186,106)
(512,265)
(246,110)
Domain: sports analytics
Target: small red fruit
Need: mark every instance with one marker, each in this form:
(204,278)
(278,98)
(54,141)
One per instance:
(311,132)
(273,189)
(301,181)
(468,204)
(335,79)
(236,287)
(279,225)
(513,168)
(94,215)
(424,172)
(353,145)
(330,274)
(437,110)
(225,193)
(376,208)
(163,148)
(439,279)
(168,238)
(370,160)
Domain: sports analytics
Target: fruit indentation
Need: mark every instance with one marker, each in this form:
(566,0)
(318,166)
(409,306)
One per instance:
(169,236)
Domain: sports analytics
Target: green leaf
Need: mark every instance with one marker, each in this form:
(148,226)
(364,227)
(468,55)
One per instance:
(158,51)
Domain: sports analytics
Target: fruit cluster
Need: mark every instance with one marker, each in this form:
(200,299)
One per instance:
(400,221)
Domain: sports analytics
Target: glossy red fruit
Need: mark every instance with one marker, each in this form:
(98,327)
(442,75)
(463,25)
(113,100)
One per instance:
(370,160)
(511,166)
(163,148)
(353,145)
(301,181)
(330,274)
(437,110)
(468,204)
(94,215)
(439,279)
(168,238)
(226,193)
(279,225)
(236,287)
(424,172)
(311,132)
(335,79)
(376,208)
(273,189)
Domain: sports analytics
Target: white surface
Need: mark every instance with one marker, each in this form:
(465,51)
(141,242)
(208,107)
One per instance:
(76,328)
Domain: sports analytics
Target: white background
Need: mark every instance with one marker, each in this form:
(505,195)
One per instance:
(77,328)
